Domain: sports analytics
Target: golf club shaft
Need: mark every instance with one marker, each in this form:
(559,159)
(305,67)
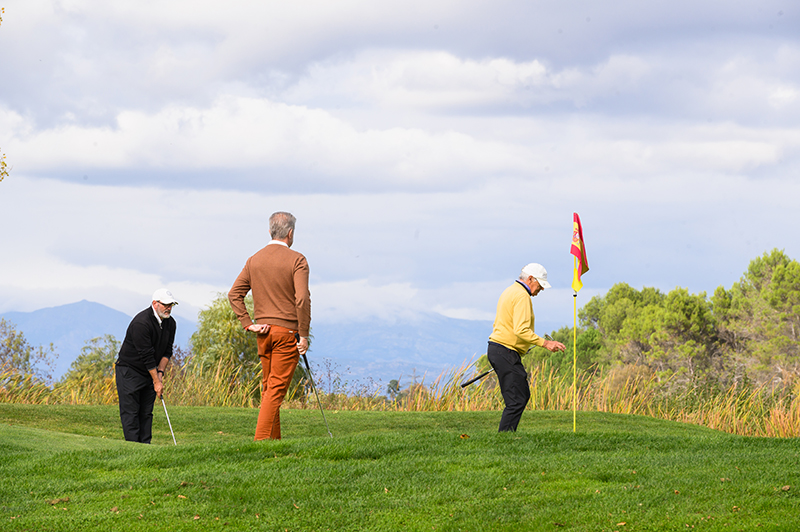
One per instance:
(485,373)
(308,370)
(479,377)
(168,421)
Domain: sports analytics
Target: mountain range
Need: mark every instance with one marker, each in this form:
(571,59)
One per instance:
(364,354)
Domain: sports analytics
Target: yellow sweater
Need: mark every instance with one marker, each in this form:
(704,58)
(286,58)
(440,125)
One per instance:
(513,324)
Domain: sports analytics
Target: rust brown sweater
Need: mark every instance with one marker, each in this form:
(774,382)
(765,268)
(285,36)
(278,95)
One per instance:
(278,277)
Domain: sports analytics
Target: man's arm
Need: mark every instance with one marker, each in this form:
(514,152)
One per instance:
(142,338)
(159,378)
(158,386)
(302,297)
(522,316)
(302,305)
(236,295)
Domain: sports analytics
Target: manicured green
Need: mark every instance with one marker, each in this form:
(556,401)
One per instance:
(388,471)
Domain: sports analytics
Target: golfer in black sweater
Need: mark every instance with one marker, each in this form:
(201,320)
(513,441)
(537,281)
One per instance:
(144,354)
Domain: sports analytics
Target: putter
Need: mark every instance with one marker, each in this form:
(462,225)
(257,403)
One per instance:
(485,373)
(168,421)
(308,370)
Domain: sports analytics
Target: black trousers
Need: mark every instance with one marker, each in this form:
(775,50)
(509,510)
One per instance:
(513,381)
(136,399)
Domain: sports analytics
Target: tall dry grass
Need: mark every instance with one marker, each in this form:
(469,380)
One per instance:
(761,411)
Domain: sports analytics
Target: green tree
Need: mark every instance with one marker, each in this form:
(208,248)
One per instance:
(393,389)
(585,358)
(608,313)
(760,316)
(679,336)
(220,338)
(676,333)
(96,360)
(18,356)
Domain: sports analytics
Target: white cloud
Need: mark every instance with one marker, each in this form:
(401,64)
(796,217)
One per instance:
(440,81)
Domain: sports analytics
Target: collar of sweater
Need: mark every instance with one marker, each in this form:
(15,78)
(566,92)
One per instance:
(525,287)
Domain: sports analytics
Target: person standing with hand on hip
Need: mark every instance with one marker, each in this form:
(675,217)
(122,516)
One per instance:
(278,277)
(512,336)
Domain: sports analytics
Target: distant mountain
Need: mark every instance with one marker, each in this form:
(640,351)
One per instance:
(69,327)
(426,345)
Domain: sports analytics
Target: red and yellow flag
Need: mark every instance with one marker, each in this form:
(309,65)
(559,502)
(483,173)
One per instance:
(579,250)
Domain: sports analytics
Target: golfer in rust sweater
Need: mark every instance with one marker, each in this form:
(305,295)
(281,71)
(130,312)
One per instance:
(278,278)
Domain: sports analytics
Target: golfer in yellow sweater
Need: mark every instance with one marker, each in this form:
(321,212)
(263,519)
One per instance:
(512,337)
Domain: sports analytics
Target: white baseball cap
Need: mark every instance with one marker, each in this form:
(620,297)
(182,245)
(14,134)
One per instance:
(162,295)
(538,272)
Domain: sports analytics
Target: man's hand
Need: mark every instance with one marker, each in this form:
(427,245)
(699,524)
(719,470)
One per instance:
(553,346)
(258,328)
(158,386)
(302,345)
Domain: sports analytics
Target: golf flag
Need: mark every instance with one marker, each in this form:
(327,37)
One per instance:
(579,250)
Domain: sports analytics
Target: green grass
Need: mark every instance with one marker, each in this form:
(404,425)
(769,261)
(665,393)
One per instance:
(388,471)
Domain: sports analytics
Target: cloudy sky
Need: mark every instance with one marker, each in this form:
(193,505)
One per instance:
(429,149)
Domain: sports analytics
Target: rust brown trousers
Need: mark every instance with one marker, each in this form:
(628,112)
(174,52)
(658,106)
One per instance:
(279,356)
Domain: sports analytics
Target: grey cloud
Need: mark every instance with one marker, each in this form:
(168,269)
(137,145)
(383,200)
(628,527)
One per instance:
(91,63)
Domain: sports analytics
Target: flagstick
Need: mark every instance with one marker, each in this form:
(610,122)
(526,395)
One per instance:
(575,356)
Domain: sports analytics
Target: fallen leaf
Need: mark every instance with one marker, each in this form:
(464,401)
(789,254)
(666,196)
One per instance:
(677,492)
(196,517)
(293,504)
(786,488)
(115,510)
(386,490)
(622,523)
(464,436)
(181,496)
(58,501)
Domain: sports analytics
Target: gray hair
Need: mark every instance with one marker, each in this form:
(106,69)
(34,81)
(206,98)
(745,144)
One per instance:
(280,224)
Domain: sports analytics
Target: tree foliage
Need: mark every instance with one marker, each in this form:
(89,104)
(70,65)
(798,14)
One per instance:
(760,315)
(585,357)
(18,356)
(96,361)
(749,331)
(221,338)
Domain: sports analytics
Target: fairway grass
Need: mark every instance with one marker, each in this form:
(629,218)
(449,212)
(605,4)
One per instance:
(67,468)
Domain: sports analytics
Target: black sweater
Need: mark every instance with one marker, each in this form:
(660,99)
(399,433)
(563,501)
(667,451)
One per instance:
(146,343)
